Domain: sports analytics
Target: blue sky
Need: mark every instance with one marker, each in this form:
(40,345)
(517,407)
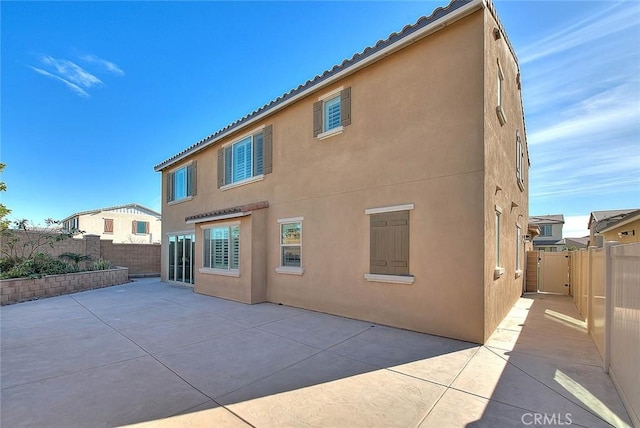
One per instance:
(94,94)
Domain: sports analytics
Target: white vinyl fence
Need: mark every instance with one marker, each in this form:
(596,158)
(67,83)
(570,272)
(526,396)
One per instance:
(605,284)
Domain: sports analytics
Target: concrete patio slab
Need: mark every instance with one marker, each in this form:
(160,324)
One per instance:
(151,354)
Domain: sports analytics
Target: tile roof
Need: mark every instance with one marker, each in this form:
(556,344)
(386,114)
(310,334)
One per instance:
(351,63)
(241,209)
(116,207)
(547,219)
(609,219)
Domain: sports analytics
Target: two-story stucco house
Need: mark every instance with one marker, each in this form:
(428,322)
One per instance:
(122,224)
(550,238)
(392,188)
(621,226)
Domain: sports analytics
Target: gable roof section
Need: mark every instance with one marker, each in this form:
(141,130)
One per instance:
(547,219)
(425,25)
(620,219)
(149,211)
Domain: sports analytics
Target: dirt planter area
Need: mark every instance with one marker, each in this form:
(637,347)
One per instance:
(22,289)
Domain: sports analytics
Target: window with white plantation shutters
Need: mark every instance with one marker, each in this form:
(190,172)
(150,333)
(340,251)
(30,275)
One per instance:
(246,158)
(222,247)
(182,182)
(332,114)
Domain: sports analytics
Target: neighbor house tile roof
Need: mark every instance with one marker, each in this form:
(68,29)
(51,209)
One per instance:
(610,219)
(115,207)
(348,65)
(547,219)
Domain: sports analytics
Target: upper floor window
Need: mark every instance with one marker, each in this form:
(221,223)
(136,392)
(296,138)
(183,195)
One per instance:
(108,225)
(545,230)
(181,183)
(500,93)
(519,161)
(332,113)
(245,159)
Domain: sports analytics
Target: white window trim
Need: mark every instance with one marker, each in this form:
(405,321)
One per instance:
(214,271)
(500,94)
(179,201)
(222,272)
(498,271)
(392,279)
(390,209)
(290,220)
(331,94)
(243,136)
(243,182)
(289,270)
(330,133)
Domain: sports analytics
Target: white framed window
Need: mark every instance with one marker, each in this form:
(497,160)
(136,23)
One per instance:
(498,220)
(546,230)
(244,161)
(518,250)
(519,161)
(140,227)
(332,113)
(222,248)
(500,95)
(290,246)
(181,182)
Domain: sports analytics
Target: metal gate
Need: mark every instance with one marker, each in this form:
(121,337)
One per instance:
(554,273)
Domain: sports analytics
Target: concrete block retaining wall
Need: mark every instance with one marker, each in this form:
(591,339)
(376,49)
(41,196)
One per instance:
(21,289)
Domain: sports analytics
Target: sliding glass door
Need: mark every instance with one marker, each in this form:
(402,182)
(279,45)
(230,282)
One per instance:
(182,249)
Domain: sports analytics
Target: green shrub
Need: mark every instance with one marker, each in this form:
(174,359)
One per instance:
(38,266)
(101,264)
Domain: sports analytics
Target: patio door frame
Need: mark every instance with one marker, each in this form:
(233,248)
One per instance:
(180,265)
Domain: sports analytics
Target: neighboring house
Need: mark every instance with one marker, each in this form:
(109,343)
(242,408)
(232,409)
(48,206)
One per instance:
(392,188)
(129,224)
(550,238)
(622,226)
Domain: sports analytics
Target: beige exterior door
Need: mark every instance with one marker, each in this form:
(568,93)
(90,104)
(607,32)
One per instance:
(554,273)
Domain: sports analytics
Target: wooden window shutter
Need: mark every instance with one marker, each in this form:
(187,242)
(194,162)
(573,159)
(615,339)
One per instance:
(169,187)
(317,118)
(146,227)
(267,147)
(192,179)
(220,167)
(108,225)
(389,243)
(345,107)
(133,226)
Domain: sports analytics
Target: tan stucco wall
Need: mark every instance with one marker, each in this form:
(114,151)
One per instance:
(501,185)
(417,136)
(612,235)
(94,224)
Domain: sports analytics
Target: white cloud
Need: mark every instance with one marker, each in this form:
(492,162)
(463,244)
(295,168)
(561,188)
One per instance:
(575,226)
(74,76)
(71,71)
(75,88)
(106,65)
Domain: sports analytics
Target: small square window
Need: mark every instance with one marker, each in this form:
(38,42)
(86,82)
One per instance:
(140,227)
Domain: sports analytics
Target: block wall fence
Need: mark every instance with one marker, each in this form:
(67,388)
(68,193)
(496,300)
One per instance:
(20,289)
(140,259)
